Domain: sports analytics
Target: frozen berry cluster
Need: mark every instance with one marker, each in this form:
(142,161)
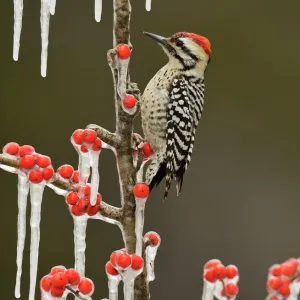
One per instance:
(280,278)
(36,166)
(87,140)
(218,275)
(120,261)
(61,280)
(80,202)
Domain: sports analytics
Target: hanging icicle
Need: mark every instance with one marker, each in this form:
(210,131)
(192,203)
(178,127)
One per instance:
(94,156)
(148,5)
(52,7)
(98,10)
(18,16)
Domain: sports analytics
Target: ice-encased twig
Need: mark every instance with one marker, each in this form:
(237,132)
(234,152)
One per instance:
(52,7)
(148,5)
(98,10)
(295,290)
(207,291)
(128,288)
(139,224)
(80,224)
(36,197)
(113,284)
(150,258)
(23,189)
(94,157)
(45,20)
(18,15)
(122,77)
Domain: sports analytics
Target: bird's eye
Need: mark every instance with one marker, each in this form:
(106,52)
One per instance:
(179,43)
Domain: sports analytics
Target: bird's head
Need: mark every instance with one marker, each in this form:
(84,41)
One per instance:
(185,50)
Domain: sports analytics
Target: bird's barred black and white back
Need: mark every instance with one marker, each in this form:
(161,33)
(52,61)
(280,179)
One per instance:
(183,114)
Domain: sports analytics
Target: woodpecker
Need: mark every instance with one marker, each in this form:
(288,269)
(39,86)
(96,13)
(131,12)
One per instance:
(172,105)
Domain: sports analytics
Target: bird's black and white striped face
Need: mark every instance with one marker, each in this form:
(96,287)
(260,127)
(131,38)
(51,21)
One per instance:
(186,51)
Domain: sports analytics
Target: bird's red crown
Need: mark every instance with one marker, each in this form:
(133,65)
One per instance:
(200,40)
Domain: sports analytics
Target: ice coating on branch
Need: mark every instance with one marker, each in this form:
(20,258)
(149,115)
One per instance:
(139,224)
(128,287)
(57,190)
(98,10)
(122,77)
(150,258)
(208,291)
(113,284)
(52,7)
(36,197)
(45,20)
(23,189)
(148,5)
(94,157)
(80,224)
(18,15)
(295,290)
(8,168)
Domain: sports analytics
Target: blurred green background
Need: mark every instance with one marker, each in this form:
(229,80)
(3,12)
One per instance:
(240,200)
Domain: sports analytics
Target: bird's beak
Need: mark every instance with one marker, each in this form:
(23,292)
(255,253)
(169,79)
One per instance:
(159,39)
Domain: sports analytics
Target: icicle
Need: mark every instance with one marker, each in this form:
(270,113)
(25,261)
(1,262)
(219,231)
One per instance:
(45,19)
(80,224)
(47,296)
(139,224)
(150,257)
(148,5)
(23,189)
(94,156)
(113,283)
(18,15)
(98,10)
(52,7)
(122,77)
(208,291)
(36,195)
(128,280)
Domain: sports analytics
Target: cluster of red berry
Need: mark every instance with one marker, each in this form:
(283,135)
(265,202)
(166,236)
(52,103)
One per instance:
(37,166)
(60,278)
(120,261)
(215,271)
(87,139)
(280,277)
(81,205)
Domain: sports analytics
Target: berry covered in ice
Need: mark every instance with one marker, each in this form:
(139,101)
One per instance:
(129,102)
(285,290)
(147,150)
(75,177)
(72,198)
(59,280)
(43,161)
(210,276)
(123,260)
(110,270)
(212,263)
(66,171)
(35,177)
(45,283)
(75,211)
(97,145)
(77,136)
(86,287)
(26,150)
(153,238)
(27,162)
(231,271)
(137,262)
(274,283)
(84,149)
(219,272)
(57,269)
(73,276)
(113,258)
(92,210)
(11,148)
(123,51)
(89,136)
(83,205)
(231,289)
(57,292)
(48,173)
(141,190)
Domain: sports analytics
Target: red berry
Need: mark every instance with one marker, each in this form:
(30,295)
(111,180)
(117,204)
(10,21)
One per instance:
(83,205)
(232,289)
(75,211)
(123,51)
(89,136)
(59,280)
(86,286)
(153,238)
(45,283)
(141,190)
(113,258)
(274,283)
(212,263)
(97,145)
(48,173)
(210,276)
(274,298)
(27,162)
(43,161)
(26,150)
(87,190)
(11,148)
(219,272)
(295,262)
(129,102)
(275,270)
(110,269)
(77,136)
(136,262)
(72,198)
(66,171)
(93,210)
(231,271)
(288,269)
(84,149)
(75,177)
(223,293)
(57,292)
(123,260)
(147,150)
(36,177)
(73,276)
(57,269)
(285,290)
(99,199)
